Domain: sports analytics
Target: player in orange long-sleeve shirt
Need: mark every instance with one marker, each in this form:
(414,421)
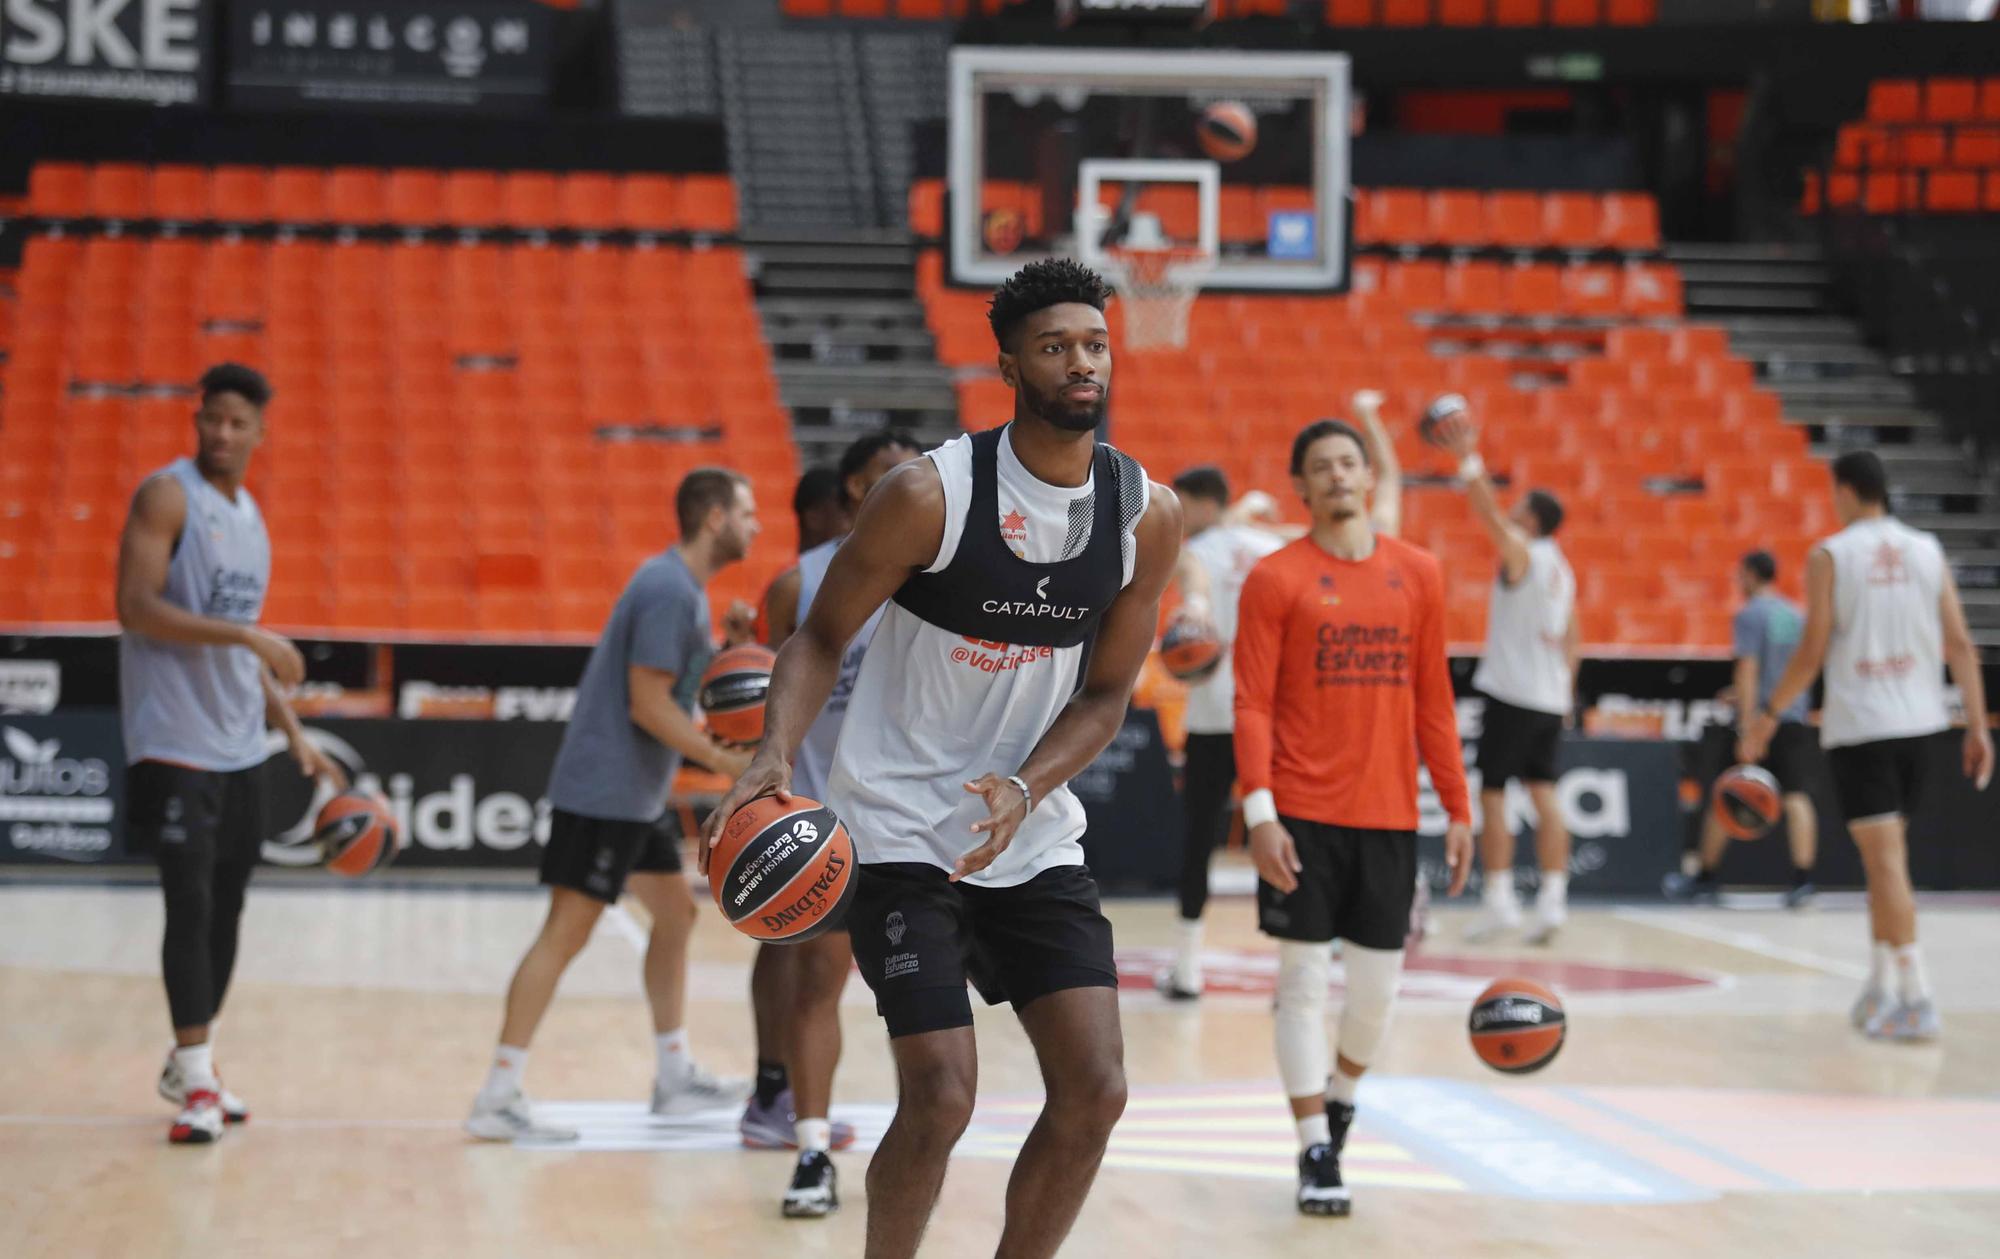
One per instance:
(1341,682)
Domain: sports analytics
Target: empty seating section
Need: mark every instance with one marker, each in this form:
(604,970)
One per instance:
(1663,405)
(468,438)
(365,196)
(1397,218)
(1926,146)
(1399,13)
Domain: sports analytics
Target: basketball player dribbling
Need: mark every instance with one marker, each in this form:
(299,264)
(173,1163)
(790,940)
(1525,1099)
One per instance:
(1884,618)
(1528,675)
(199,682)
(632,725)
(1022,568)
(1766,632)
(1341,684)
(802,982)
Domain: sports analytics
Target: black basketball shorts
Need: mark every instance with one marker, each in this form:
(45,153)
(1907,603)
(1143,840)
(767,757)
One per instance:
(1517,742)
(918,937)
(593,855)
(1357,884)
(1793,757)
(209,815)
(1880,780)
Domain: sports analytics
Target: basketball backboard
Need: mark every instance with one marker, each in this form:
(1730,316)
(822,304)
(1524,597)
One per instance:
(1064,151)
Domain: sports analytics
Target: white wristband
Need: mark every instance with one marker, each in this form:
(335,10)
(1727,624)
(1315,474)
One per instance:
(1259,807)
(1471,468)
(1027,797)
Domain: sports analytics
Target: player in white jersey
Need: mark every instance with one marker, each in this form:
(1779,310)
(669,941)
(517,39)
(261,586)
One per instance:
(801,983)
(1219,554)
(1528,674)
(1883,617)
(1025,565)
(199,683)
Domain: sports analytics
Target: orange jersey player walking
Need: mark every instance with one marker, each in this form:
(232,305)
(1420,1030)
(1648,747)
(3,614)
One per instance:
(1341,684)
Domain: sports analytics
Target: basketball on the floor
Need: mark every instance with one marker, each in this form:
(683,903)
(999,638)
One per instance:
(1517,1026)
(1747,802)
(355,833)
(782,873)
(732,692)
(1442,408)
(1227,130)
(1190,650)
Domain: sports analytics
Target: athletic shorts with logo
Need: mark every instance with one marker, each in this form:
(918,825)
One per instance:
(1516,742)
(214,815)
(1356,884)
(918,937)
(593,855)
(1882,779)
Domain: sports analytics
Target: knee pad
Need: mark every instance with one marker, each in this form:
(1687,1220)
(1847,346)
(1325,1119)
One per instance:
(1303,973)
(1371,997)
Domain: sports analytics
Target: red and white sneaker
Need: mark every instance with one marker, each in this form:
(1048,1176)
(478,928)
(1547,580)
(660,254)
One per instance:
(174,1087)
(200,1121)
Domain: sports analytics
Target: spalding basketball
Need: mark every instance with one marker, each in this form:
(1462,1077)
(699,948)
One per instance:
(733,690)
(782,873)
(1227,130)
(1517,1026)
(1442,408)
(355,833)
(1747,802)
(1190,650)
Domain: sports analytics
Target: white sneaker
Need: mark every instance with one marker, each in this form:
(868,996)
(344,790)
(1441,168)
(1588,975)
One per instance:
(200,1120)
(1868,1007)
(1915,1022)
(174,1087)
(510,1118)
(1496,918)
(1179,982)
(697,1091)
(1549,919)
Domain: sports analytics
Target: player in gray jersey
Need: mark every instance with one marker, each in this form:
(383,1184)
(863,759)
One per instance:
(199,681)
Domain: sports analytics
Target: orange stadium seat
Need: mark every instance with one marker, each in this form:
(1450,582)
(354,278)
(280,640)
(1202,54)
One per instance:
(1514,219)
(1895,100)
(58,190)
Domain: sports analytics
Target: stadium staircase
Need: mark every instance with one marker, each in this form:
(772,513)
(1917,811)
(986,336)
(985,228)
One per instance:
(1778,303)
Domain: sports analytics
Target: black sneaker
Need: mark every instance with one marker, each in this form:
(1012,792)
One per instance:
(1801,895)
(1320,1190)
(1689,889)
(815,1188)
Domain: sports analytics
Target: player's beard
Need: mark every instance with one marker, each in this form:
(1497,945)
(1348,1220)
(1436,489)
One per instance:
(1067,416)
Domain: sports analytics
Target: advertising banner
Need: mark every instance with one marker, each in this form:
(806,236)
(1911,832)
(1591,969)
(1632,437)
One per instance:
(400,54)
(140,52)
(62,788)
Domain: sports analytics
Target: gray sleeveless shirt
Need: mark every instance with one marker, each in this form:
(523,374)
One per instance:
(189,703)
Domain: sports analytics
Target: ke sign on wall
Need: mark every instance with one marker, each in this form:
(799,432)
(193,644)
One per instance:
(396,54)
(143,52)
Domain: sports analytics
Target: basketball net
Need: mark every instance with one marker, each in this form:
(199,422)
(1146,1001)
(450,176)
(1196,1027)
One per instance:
(1156,287)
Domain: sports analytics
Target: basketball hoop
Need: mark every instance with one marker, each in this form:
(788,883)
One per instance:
(1156,287)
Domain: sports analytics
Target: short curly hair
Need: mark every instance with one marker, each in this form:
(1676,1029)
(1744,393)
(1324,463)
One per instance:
(1038,286)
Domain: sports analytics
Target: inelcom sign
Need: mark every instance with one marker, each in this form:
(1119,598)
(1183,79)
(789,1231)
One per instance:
(146,52)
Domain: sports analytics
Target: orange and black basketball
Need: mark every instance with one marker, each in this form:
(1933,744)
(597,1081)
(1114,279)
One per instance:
(1442,408)
(1747,802)
(1517,1026)
(356,833)
(1190,650)
(1227,130)
(782,873)
(733,690)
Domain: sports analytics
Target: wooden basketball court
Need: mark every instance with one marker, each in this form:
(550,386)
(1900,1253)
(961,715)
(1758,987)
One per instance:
(1711,1097)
